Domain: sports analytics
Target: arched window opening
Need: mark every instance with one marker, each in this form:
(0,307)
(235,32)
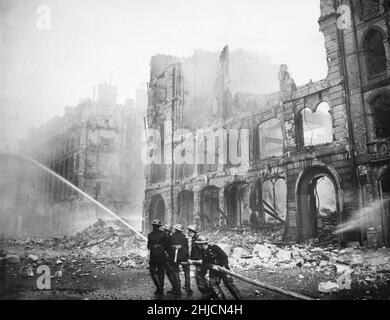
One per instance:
(274,199)
(281,198)
(317,126)
(157,209)
(210,214)
(368,7)
(270,139)
(375,53)
(384,193)
(326,207)
(381,113)
(237,200)
(268,198)
(319,207)
(186,207)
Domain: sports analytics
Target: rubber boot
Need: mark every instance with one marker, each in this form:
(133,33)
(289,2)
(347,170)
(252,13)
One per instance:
(229,283)
(187,279)
(216,289)
(161,278)
(235,292)
(172,282)
(177,290)
(156,281)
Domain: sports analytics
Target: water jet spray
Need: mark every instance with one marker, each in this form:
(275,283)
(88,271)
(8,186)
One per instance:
(44,168)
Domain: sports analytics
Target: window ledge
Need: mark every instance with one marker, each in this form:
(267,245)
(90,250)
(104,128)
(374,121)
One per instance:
(379,147)
(317,146)
(379,76)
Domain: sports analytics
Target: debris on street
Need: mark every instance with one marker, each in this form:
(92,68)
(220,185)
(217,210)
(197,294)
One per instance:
(342,268)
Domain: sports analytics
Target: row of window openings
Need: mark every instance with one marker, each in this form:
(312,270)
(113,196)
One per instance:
(55,188)
(67,146)
(67,167)
(317,129)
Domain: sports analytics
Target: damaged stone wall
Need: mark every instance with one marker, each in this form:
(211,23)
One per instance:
(292,162)
(337,111)
(367,54)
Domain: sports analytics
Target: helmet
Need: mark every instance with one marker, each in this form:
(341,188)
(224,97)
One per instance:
(192,228)
(202,240)
(167,227)
(179,227)
(156,223)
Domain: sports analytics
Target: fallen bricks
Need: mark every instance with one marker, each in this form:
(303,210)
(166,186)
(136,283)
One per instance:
(341,268)
(107,242)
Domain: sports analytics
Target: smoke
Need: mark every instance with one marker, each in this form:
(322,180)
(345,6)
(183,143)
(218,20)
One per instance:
(369,215)
(23,201)
(92,41)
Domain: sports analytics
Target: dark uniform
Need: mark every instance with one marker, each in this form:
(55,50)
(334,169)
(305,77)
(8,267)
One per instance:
(157,244)
(216,256)
(168,266)
(200,270)
(178,253)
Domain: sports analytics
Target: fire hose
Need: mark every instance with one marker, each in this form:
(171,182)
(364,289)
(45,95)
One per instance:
(254,282)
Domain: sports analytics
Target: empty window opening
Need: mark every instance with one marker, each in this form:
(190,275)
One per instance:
(210,212)
(237,198)
(186,207)
(375,53)
(381,112)
(326,209)
(318,207)
(157,209)
(270,139)
(317,126)
(384,192)
(274,200)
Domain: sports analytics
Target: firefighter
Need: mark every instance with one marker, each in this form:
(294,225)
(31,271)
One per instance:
(157,244)
(213,254)
(168,266)
(200,271)
(179,254)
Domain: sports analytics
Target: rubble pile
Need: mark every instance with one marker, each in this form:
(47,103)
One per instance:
(336,269)
(107,243)
(112,241)
(102,242)
(248,239)
(327,226)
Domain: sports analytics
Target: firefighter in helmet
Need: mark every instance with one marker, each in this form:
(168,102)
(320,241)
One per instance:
(169,269)
(178,255)
(200,270)
(211,254)
(157,245)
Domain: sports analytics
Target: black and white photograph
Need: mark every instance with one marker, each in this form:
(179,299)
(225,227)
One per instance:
(212,151)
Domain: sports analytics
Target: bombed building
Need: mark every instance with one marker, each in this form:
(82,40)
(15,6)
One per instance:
(96,146)
(310,157)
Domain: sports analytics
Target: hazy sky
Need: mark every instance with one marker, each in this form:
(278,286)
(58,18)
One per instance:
(91,41)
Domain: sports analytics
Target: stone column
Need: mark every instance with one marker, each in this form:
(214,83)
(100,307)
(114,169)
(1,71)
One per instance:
(222,206)
(197,205)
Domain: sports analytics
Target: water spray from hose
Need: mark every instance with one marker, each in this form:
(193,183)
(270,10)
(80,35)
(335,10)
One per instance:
(41,166)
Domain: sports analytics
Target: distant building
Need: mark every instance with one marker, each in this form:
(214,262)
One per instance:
(96,146)
(141,99)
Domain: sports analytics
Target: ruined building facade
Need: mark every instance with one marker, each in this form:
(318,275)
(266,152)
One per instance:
(336,129)
(97,147)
